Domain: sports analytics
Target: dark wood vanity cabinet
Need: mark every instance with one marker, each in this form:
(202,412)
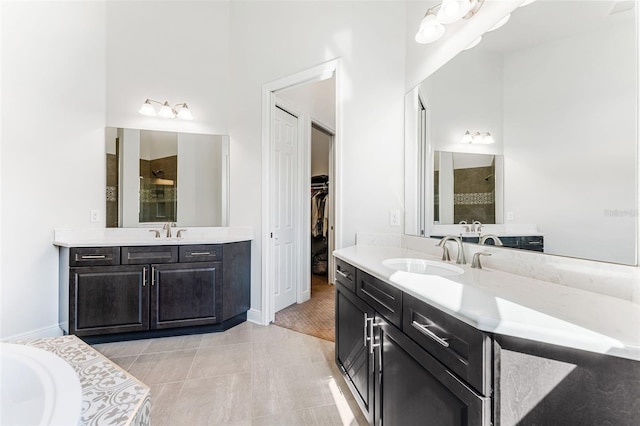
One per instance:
(430,368)
(107,299)
(130,291)
(395,379)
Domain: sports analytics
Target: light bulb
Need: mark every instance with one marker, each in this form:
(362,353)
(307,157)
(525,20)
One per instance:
(453,10)
(467,138)
(147,109)
(488,139)
(166,111)
(185,113)
(430,29)
(500,23)
(474,43)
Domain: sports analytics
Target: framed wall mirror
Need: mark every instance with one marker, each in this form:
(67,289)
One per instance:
(557,89)
(157,177)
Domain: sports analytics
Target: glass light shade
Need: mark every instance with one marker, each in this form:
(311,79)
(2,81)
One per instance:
(526,2)
(147,109)
(166,111)
(500,23)
(467,138)
(430,29)
(453,10)
(487,139)
(474,43)
(477,138)
(185,113)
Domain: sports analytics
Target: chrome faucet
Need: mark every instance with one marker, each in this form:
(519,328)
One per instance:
(445,251)
(476,259)
(167,227)
(461,259)
(496,241)
(475,228)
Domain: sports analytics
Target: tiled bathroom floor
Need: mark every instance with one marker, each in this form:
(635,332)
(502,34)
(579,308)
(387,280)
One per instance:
(248,375)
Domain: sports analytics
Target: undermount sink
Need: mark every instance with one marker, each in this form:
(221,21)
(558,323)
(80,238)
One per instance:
(423,266)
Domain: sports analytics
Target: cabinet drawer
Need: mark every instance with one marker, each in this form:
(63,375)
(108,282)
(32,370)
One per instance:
(462,348)
(346,275)
(200,253)
(149,254)
(383,297)
(94,256)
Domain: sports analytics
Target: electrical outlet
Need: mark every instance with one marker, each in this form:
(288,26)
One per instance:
(394,217)
(509,215)
(95,216)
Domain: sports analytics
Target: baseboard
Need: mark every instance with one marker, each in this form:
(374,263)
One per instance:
(255,316)
(51,331)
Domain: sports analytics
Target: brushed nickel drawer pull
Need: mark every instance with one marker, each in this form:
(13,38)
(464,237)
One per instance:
(200,253)
(93,256)
(144,276)
(365,338)
(343,275)
(153,276)
(372,337)
(424,330)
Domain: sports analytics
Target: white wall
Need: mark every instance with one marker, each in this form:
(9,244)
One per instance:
(175,51)
(320,144)
(83,56)
(369,39)
(571,100)
(317,99)
(53,144)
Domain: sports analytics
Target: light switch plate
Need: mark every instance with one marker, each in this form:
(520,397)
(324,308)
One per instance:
(394,218)
(509,215)
(95,216)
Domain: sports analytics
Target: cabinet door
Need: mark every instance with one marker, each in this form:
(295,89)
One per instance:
(353,356)
(185,294)
(111,299)
(413,388)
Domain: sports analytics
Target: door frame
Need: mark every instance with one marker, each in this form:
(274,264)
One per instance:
(317,73)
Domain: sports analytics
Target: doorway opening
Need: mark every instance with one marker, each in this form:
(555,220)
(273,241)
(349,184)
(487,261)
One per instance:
(302,96)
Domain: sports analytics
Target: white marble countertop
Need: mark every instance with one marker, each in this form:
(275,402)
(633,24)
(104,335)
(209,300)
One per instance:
(514,305)
(105,237)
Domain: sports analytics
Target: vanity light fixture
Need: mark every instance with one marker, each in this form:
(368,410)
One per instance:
(474,43)
(500,23)
(180,110)
(448,12)
(478,138)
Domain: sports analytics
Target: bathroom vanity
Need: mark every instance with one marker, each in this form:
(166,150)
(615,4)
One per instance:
(133,287)
(481,348)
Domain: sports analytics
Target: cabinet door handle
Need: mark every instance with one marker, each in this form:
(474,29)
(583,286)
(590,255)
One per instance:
(93,256)
(144,276)
(343,275)
(366,337)
(153,276)
(200,253)
(371,337)
(424,330)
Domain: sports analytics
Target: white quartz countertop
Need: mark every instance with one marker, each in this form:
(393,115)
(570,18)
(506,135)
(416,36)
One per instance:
(104,237)
(513,305)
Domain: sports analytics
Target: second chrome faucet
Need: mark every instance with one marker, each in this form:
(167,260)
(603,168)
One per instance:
(443,243)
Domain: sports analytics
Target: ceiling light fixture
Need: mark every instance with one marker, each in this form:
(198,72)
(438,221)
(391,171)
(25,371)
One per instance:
(180,110)
(448,12)
(479,138)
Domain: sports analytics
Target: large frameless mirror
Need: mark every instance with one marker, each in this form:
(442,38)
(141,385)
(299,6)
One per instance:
(157,177)
(556,88)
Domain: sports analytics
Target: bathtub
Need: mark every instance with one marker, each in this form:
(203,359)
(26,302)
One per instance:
(37,388)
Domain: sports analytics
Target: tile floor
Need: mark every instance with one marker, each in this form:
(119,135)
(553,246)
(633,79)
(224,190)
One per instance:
(248,375)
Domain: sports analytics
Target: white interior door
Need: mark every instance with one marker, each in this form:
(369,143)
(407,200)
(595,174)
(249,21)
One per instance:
(284,175)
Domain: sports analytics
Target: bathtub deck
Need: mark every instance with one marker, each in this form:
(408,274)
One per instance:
(111,396)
